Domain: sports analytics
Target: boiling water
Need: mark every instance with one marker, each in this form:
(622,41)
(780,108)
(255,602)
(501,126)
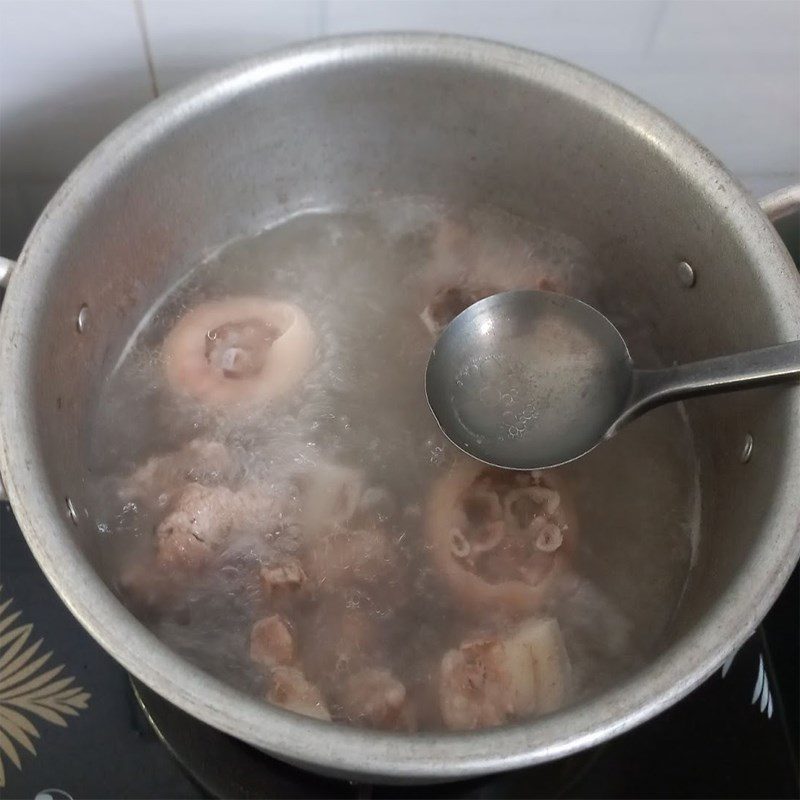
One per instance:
(363,278)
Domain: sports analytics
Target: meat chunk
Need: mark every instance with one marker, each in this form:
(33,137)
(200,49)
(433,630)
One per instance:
(339,640)
(204,517)
(469,265)
(334,502)
(271,642)
(291,690)
(201,460)
(283,580)
(374,697)
(487,682)
(346,557)
(474,690)
(239,351)
(449,302)
(198,524)
(258,508)
(500,539)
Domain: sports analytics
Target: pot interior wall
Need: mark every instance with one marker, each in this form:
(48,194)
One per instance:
(264,144)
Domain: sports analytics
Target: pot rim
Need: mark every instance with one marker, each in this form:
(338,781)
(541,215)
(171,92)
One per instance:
(335,748)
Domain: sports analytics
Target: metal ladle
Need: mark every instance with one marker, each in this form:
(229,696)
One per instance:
(528,380)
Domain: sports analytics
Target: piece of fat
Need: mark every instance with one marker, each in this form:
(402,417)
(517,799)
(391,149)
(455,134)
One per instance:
(330,496)
(292,691)
(538,665)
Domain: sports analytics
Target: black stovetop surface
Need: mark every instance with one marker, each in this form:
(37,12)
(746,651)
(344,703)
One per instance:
(735,736)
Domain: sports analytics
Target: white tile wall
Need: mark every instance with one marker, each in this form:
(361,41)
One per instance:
(710,28)
(70,70)
(566,28)
(188,37)
(730,73)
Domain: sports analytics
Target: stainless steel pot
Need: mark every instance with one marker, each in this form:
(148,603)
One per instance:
(468,121)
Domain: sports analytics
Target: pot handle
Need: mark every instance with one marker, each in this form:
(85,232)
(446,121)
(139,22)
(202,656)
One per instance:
(783,209)
(6,268)
(781,203)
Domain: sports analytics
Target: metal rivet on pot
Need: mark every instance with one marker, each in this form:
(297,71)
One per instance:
(82,322)
(686,274)
(73,514)
(747,449)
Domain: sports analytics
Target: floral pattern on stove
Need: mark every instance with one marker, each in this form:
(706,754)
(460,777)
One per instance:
(30,690)
(761,691)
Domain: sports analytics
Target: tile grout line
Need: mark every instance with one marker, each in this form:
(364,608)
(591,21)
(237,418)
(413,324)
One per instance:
(658,18)
(148,52)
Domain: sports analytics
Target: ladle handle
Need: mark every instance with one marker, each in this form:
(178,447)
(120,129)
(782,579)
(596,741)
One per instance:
(651,387)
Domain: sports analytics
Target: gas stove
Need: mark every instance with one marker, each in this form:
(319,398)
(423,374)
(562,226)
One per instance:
(81,727)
